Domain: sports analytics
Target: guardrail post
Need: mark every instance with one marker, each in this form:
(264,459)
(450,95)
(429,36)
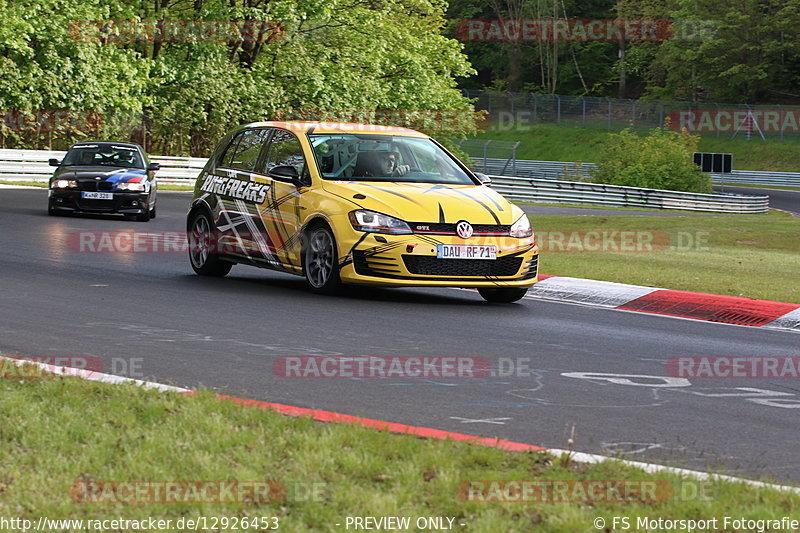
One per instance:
(558,109)
(583,110)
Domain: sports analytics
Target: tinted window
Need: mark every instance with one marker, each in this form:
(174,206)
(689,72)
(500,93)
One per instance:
(285,149)
(244,149)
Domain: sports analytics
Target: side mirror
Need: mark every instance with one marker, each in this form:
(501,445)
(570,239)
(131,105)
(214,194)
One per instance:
(154,166)
(286,173)
(483,178)
(54,162)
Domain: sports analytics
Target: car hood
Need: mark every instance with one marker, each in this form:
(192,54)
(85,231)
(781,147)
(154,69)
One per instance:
(114,175)
(429,202)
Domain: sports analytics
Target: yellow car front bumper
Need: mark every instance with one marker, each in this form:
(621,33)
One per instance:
(411,260)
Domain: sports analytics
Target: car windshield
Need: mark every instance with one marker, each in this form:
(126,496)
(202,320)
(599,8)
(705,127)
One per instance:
(104,155)
(365,157)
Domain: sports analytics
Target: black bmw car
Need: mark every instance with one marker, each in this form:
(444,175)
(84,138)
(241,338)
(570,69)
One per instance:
(104,177)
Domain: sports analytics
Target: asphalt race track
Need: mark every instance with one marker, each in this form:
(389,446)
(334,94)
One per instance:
(778,198)
(150,312)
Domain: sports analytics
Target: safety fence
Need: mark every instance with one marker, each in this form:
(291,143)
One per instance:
(582,171)
(32,165)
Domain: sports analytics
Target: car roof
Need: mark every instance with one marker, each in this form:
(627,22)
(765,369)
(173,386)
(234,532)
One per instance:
(337,127)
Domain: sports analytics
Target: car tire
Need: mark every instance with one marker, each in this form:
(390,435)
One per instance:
(52,211)
(202,243)
(153,212)
(320,260)
(505,295)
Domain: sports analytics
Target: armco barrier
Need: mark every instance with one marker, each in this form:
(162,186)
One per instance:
(566,170)
(548,190)
(31,165)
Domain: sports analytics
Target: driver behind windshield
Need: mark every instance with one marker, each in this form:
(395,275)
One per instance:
(379,163)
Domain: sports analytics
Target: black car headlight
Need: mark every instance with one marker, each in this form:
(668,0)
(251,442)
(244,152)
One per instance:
(131,187)
(64,184)
(371,221)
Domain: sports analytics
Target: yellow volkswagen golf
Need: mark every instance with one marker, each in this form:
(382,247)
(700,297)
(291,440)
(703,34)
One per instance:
(355,203)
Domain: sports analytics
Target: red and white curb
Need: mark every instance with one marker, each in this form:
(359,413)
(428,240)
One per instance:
(391,427)
(684,304)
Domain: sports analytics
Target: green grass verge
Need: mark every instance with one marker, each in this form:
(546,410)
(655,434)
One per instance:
(44,185)
(756,256)
(57,431)
(548,142)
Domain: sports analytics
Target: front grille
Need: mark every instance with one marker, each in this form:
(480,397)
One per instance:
(105,186)
(450,229)
(432,266)
(96,205)
(87,185)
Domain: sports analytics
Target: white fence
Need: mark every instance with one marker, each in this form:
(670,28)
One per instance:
(574,192)
(32,165)
(566,170)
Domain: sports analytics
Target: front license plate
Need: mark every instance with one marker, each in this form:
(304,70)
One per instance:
(97,195)
(466,251)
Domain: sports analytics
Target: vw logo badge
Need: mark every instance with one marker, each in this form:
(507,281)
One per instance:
(464,229)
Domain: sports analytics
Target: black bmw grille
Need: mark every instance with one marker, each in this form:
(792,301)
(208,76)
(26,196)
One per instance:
(450,229)
(104,185)
(432,266)
(87,185)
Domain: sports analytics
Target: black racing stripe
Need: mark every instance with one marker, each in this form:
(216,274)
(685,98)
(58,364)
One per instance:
(346,262)
(403,196)
(491,199)
(494,216)
(439,187)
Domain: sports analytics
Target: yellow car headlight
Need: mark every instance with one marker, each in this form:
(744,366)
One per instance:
(371,221)
(521,228)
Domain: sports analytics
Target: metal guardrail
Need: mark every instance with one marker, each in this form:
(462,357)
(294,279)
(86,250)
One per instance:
(556,191)
(566,170)
(31,165)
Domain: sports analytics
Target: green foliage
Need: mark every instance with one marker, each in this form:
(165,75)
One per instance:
(179,96)
(662,160)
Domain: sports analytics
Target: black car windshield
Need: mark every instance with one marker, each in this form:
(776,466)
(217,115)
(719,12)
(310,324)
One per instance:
(371,157)
(104,155)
